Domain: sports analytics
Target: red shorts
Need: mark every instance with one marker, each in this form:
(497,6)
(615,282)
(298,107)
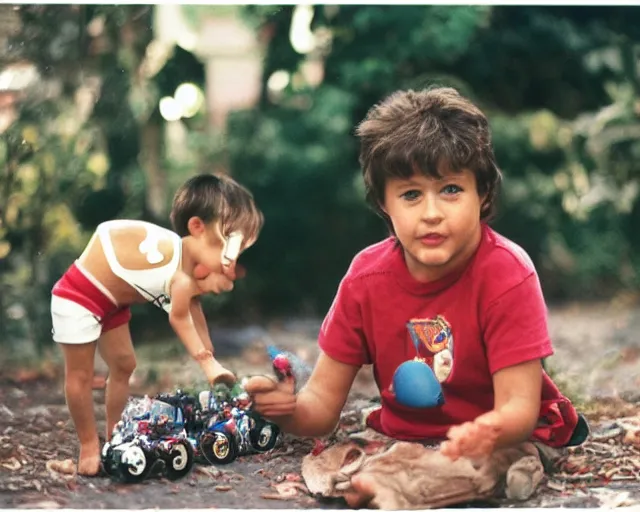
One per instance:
(81,311)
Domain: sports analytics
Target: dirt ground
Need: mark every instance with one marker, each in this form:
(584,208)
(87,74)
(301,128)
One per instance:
(596,357)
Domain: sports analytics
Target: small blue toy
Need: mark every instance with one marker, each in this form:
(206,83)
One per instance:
(414,382)
(415,385)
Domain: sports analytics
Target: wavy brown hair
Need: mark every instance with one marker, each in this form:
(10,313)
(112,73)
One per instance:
(432,132)
(216,197)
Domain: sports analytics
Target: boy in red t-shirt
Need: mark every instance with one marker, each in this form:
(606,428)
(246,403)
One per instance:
(444,288)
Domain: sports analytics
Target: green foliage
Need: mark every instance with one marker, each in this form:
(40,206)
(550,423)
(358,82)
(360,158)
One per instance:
(305,192)
(562,105)
(60,154)
(560,86)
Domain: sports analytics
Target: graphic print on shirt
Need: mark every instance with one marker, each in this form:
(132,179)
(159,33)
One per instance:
(162,301)
(434,343)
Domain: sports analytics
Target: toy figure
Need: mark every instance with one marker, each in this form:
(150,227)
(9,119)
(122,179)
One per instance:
(230,428)
(289,367)
(154,439)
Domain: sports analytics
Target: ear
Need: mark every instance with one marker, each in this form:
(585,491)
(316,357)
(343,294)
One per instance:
(196,226)
(484,203)
(383,208)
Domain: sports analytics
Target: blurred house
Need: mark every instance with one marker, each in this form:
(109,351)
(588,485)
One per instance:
(229,50)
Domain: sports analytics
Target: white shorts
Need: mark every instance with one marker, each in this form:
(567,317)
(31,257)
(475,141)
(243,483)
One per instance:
(73,323)
(82,309)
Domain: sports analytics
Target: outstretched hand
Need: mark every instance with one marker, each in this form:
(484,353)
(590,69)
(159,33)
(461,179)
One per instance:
(473,439)
(270,398)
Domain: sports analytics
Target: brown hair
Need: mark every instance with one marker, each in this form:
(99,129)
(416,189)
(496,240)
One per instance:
(430,131)
(216,197)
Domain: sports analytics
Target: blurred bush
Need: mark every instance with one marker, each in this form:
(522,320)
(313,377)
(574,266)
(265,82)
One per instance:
(563,108)
(560,85)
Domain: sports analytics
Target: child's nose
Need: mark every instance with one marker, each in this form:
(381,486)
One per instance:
(431,211)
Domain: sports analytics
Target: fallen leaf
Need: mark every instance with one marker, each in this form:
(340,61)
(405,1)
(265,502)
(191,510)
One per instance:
(41,504)
(289,489)
(223,488)
(208,471)
(274,496)
(64,467)
(11,464)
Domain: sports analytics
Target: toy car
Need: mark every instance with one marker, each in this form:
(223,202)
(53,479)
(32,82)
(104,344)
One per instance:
(220,424)
(151,435)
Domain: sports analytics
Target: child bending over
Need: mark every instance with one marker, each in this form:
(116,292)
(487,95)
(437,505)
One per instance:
(444,287)
(131,261)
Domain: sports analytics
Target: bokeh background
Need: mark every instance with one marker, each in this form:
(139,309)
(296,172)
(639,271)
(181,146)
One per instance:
(105,110)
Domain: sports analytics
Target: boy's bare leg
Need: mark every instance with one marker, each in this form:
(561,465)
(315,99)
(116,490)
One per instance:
(116,348)
(79,395)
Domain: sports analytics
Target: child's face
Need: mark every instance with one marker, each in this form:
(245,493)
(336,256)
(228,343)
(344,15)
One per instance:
(437,221)
(217,252)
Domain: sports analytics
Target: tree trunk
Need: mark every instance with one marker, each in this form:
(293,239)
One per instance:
(151,161)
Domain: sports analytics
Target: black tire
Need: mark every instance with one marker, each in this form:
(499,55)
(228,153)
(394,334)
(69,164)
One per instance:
(133,463)
(264,435)
(108,463)
(218,447)
(179,460)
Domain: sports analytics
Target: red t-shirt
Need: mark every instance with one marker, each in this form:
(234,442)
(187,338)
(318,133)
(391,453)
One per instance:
(492,313)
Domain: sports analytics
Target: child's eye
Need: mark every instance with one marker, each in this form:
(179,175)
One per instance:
(410,195)
(451,189)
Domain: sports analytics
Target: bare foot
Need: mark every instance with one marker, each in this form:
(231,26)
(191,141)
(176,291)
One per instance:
(89,462)
(363,491)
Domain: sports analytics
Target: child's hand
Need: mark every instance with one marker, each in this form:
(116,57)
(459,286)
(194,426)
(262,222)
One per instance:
(233,271)
(270,398)
(473,439)
(215,283)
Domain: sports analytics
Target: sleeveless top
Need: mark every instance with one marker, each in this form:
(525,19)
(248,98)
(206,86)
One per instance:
(152,283)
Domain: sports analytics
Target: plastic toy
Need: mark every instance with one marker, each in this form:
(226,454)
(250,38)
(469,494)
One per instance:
(174,430)
(151,435)
(287,365)
(415,385)
(220,424)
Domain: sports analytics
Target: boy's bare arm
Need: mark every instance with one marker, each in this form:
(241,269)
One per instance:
(200,321)
(517,391)
(318,404)
(183,289)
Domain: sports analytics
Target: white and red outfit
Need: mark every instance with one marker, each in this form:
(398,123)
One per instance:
(82,308)
(485,317)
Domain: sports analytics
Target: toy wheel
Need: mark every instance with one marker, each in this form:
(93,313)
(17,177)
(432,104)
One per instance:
(108,463)
(218,447)
(134,464)
(179,460)
(264,435)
